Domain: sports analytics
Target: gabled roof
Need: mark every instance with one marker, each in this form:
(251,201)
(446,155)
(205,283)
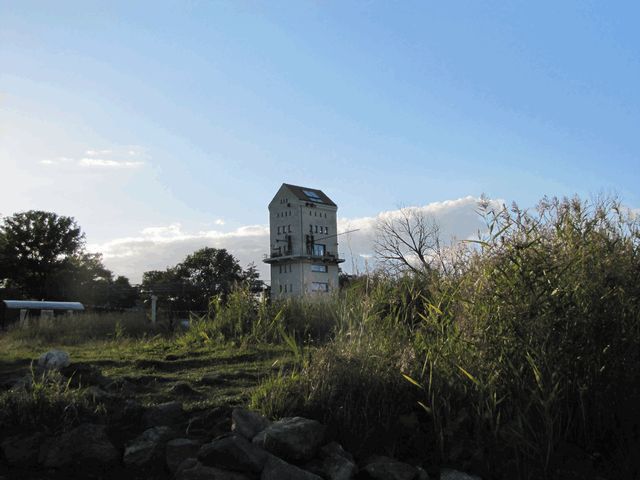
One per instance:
(307,194)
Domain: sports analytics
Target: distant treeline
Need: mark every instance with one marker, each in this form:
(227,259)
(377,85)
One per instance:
(43,257)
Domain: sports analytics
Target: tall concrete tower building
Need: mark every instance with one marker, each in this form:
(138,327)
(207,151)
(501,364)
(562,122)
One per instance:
(304,244)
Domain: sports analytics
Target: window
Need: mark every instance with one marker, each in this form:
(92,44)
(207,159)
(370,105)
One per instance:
(326,230)
(289,228)
(280,288)
(313,196)
(315,267)
(310,228)
(316,228)
(280,269)
(285,288)
(278,230)
(319,249)
(319,287)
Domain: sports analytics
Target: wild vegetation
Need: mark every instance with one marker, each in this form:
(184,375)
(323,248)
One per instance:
(512,356)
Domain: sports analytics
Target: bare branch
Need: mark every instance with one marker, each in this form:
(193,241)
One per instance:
(407,242)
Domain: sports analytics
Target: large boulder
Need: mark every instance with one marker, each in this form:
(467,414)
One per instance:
(277,469)
(336,467)
(233,452)
(294,439)
(385,468)
(334,449)
(191,469)
(248,423)
(148,448)
(53,360)
(86,445)
(450,474)
(22,449)
(179,449)
(169,413)
(210,424)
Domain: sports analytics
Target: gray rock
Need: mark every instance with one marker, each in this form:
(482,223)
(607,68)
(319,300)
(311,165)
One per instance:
(85,445)
(276,469)
(211,424)
(22,450)
(334,448)
(191,469)
(294,439)
(422,474)
(337,467)
(179,449)
(53,360)
(147,449)
(248,423)
(450,474)
(385,468)
(233,452)
(170,413)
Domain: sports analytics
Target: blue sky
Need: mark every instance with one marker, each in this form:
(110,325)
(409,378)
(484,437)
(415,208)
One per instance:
(163,121)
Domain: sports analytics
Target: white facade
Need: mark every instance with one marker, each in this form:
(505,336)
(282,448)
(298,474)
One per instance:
(303,243)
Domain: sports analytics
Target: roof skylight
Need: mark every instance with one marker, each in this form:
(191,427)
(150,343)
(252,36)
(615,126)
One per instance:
(313,196)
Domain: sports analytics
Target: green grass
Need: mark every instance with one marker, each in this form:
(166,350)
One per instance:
(152,367)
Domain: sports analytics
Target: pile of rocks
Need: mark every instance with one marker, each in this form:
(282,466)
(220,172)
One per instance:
(289,449)
(161,441)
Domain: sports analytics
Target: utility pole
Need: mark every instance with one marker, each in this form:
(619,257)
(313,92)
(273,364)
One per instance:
(154,304)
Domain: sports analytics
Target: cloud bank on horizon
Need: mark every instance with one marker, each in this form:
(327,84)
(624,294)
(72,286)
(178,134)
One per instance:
(156,248)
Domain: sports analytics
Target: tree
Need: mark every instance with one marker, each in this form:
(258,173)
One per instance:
(34,246)
(407,242)
(190,285)
(84,278)
(42,255)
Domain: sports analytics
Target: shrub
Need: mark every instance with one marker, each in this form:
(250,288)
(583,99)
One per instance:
(47,403)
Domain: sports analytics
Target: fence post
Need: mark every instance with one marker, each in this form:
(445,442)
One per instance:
(154,304)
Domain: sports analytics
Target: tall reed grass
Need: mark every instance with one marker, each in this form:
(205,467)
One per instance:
(518,358)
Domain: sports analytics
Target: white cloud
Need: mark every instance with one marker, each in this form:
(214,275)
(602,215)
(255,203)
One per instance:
(128,158)
(56,161)
(95,153)
(158,247)
(102,163)
(219,221)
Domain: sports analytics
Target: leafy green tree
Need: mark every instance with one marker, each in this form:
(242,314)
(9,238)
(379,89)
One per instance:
(42,254)
(85,278)
(34,247)
(190,285)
